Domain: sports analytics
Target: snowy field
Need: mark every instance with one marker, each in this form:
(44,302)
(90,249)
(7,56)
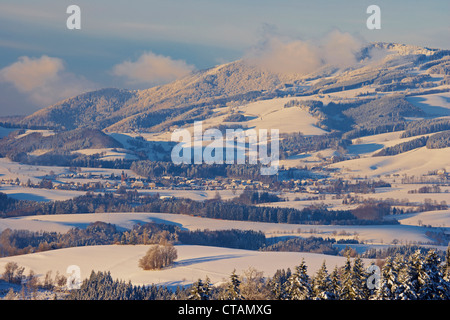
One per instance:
(332,204)
(376,234)
(197,195)
(10,170)
(45,133)
(271,114)
(439,218)
(400,191)
(424,159)
(35,194)
(264,114)
(39,194)
(435,104)
(367,146)
(415,162)
(193,262)
(109,154)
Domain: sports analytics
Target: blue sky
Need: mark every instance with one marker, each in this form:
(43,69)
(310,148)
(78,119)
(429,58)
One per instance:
(175,36)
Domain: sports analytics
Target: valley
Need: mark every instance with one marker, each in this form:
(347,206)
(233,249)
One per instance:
(364,163)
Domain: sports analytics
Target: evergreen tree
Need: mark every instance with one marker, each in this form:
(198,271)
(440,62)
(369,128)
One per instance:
(298,286)
(207,289)
(335,283)
(408,277)
(323,286)
(347,288)
(233,291)
(200,290)
(446,270)
(432,285)
(389,282)
(196,292)
(277,284)
(101,286)
(359,275)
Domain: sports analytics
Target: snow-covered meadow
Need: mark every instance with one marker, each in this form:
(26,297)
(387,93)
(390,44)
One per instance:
(193,262)
(372,234)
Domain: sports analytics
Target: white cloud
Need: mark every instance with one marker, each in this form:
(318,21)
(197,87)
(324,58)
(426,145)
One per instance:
(279,55)
(283,55)
(152,69)
(28,74)
(339,48)
(43,80)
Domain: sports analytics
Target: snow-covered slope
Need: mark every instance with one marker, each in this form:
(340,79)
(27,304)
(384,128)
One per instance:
(439,218)
(193,262)
(415,162)
(435,104)
(371,233)
(234,83)
(264,114)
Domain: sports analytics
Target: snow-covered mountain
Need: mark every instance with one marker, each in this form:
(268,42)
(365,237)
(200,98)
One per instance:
(384,67)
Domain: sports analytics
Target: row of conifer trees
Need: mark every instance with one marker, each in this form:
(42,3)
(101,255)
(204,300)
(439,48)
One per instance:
(417,276)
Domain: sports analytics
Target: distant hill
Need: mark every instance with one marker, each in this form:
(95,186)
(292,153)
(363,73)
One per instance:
(93,109)
(17,146)
(123,110)
(404,69)
(386,110)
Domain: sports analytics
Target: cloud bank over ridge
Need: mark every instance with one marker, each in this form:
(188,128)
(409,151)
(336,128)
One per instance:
(151,69)
(285,55)
(43,80)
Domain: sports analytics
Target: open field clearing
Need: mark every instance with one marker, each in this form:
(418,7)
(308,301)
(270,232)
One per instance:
(376,234)
(415,162)
(193,262)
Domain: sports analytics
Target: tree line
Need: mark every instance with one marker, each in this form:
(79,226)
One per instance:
(295,143)
(311,244)
(387,110)
(158,169)
(436,141)
(19,242)
(255,197)
(373,130)
(439,140)
(402,147)
(420,274)
(339,186)
(101,286)
(215,208)
(416,276)
(420,127)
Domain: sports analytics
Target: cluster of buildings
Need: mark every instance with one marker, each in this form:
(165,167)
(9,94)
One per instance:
(100,182)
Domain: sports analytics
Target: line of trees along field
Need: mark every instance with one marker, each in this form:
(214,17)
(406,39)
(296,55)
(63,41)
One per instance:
(417,276)
(158,169)
(19,242)
(436,141)
(215,208)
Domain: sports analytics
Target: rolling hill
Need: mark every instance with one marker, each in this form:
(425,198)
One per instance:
(404,69)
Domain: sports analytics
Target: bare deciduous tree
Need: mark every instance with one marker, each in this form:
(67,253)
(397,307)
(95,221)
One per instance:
(158,257)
